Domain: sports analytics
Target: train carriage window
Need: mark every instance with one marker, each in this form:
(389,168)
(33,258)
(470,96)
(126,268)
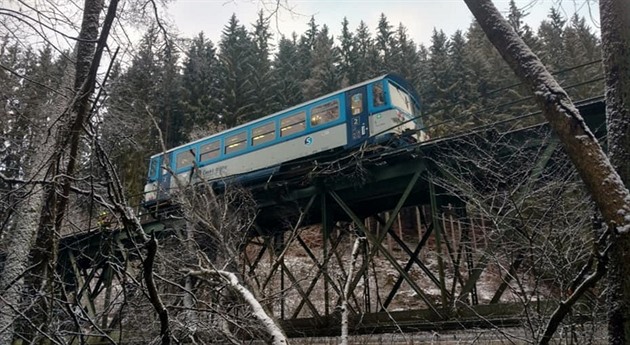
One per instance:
(325,113)
(263,134)
(378,94)
(153,168)
(185,159)
(165,167)
(209,151)
(236,142)
(293,124)
(401,99)
(356,103)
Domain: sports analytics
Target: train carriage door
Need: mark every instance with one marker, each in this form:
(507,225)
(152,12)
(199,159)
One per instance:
(357,116)
(164,179)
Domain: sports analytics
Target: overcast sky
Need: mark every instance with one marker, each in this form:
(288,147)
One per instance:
(419,16)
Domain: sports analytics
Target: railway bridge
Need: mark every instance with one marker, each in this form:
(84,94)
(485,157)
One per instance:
(428,260)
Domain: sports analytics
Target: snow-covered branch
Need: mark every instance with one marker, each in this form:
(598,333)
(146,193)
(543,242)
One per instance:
(346,291)
(230,279)
(601,179)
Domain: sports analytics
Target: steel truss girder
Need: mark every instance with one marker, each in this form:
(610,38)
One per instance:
(319,273)
(376,241)
(87,290)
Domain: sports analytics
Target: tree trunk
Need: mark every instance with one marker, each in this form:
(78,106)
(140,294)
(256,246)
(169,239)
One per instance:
(599,176)
(42,214)
(67,139)
(20,240)
(615,21)
(346,293)
(63,164)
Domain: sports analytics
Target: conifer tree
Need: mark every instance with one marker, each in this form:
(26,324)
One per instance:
(515,18)
(287,73)
(461,93)
(10,124)
(384,43)
(492,76)
(305,48)
(149,92)
(551,34)
(199,84)
(24,111)
(262,77)
(404,57)
(477,57)
(368,61)
(167,108)
(134,104)
(440,79)
(348,55)
(236,91)
(325,76)
(582,48)
(422,77)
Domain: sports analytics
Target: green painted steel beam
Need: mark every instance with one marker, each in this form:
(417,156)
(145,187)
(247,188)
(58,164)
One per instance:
(377,244)
(320,271)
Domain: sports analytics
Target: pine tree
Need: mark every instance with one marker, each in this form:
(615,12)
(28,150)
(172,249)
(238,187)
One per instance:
(167,106)
(384,43)
(135,104)
(420,81)
(236,91)
(15,125)
(368,61)
(305,48)
(440,79)
(582,48)
(515,19)
(288,74)
(551,34)
(262,77)
(492,77)
(199,84)
(348,55)
(477,52)
(462,91)
(25,100)
(404,57)
(325,76)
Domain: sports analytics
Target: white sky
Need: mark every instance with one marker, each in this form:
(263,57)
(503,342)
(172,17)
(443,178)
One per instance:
(419,16)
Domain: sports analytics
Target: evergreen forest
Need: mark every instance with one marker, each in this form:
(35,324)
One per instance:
(172,91)
(510,228)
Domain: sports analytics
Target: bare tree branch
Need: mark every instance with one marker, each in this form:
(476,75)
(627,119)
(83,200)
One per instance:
(565,306)
(601,179)
(277,335)
(154,296)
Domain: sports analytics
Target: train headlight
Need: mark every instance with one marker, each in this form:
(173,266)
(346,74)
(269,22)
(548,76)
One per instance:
(150,191)
(400,117)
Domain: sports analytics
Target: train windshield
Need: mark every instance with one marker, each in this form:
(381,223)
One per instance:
(401,99)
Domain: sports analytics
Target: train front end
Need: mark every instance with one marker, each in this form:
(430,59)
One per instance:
(396,111)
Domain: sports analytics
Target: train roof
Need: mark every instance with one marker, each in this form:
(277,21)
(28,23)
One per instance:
(394,77)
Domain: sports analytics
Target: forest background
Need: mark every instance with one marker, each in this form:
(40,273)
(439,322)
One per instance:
(178,89)
(193,86)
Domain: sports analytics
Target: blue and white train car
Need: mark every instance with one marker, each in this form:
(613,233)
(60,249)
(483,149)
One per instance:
(373,111)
